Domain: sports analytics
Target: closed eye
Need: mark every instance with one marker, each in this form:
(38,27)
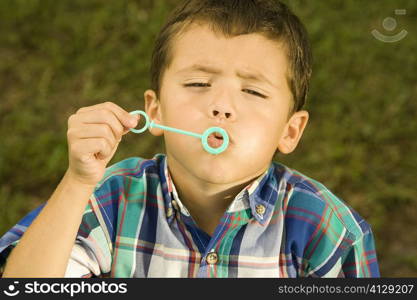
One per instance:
(197,84)
(203,84)
(255,93)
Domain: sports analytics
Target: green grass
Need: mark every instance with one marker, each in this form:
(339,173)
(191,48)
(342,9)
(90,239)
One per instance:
(58,56)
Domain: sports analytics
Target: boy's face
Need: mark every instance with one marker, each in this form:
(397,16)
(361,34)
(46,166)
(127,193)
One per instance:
(238,84)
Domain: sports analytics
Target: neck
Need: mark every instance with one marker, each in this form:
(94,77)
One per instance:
(206,201)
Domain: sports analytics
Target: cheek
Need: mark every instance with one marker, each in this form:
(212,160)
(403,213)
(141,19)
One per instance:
(265,127)
(264,142)
(184,117)
(176,116)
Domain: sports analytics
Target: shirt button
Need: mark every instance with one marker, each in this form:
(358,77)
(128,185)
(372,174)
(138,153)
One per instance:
(260,209)
(170,211)
(212,258)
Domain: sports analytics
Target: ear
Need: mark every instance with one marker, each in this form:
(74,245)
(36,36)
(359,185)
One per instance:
(293,131)
(153,110)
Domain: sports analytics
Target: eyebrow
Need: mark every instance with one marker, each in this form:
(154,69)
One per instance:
(211,70)
(255,77)
(201,68)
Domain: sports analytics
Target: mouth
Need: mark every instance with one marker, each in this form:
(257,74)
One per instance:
(215,140)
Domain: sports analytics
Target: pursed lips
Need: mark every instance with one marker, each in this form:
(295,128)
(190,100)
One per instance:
(215,139)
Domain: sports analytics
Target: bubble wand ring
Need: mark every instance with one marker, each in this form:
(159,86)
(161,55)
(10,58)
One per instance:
(203,137)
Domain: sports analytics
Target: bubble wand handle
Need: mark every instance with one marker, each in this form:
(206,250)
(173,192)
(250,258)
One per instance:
(203,137)
(196,135)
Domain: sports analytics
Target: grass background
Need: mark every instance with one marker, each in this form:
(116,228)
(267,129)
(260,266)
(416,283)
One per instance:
(58,56)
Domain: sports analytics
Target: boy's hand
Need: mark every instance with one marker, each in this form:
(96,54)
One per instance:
(94,133)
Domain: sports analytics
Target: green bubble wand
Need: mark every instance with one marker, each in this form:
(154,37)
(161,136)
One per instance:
(203,137)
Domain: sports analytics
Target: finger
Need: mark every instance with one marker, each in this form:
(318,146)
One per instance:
(128,120)
(84,149)
(101,116)
(93,131)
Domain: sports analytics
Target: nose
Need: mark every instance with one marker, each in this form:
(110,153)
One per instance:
(222,110)
(222,104)
(221,114)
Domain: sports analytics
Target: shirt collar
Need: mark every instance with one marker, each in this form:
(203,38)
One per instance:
(260,196)
(175,199)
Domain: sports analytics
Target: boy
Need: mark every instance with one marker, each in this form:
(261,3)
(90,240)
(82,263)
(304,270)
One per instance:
(240,65)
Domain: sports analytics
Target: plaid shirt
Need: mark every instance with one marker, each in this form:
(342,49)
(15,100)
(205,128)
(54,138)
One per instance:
(283,224)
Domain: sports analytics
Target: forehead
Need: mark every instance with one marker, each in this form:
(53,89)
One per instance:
(199,44)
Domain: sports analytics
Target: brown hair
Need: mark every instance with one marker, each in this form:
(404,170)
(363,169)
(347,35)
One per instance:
(271,18)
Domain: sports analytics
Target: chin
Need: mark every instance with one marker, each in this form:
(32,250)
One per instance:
(217,178)
(218,171)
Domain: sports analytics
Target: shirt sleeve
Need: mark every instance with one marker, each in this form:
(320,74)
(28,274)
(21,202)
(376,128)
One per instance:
(336,250)
(360,259)
(326,237)
(10,239)
(91,253)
